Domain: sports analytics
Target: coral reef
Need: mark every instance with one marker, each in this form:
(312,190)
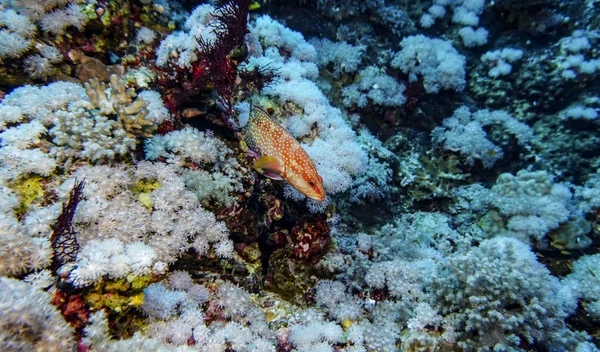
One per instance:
(456,142)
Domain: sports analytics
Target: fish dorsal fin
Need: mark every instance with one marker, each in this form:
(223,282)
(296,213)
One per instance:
(269,163)
(258,113)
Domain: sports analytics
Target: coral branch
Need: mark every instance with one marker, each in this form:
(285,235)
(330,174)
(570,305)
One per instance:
(257,78)
(232,21)
(63,238)
(230,27)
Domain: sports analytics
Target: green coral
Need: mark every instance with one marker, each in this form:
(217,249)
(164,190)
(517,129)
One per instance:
(571,235)
(30,189)
(140,282)
(90,11)
(118,295)
(436,177)
(287,277)
(142,191)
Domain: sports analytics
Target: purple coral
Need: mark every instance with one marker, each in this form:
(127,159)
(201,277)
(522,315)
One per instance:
(63,238)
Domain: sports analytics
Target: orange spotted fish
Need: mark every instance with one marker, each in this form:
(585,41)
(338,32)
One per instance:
(281,156)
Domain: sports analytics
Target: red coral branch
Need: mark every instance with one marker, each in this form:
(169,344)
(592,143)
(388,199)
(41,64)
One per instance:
(231,26)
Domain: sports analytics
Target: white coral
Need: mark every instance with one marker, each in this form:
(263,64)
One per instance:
(25,308)
(435,60)
(145,233)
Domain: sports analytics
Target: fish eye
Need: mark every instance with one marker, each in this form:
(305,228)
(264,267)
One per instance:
(311,183)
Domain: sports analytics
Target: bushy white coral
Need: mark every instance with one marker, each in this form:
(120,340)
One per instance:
(145,35)
(199,147)
(17,23)
(465,12)
(376,182)
(584,284)
(15,156)
(498,296)
(501,60)
(528,205)
(111,258)
(579,112)
(316,336)
(274,34)
(97,335)
(588,197)
(344,57)
(24,308)
(246,329)
(19,250)
(374,86)
(434,60)
(183,46)
(42,65)
(15,37)
(575,57)
(340,304)
(165,217)
(57,21)
(473,37)
(464,133)
(202,148)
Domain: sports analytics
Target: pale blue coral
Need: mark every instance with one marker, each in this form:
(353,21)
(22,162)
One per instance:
(434,60)
(464,133)
(374,85)
(584,283)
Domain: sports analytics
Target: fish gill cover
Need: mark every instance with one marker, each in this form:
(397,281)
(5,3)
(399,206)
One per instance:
(456,141)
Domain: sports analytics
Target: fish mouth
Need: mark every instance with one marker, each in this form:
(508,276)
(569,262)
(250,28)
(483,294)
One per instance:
(318,198)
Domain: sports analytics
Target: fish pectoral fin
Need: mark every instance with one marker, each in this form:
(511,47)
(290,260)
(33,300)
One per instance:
(268,163)
(272,175)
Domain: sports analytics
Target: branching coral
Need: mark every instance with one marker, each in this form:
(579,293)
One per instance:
(498,296)
(119,100)
(88,124)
